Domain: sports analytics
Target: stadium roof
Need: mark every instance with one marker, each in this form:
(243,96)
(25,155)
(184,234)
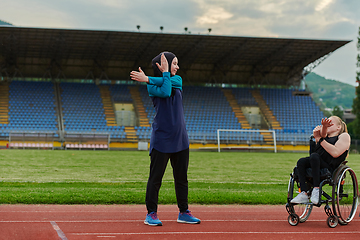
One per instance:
(88,54)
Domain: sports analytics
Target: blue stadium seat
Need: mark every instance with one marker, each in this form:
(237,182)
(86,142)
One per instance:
(32,106)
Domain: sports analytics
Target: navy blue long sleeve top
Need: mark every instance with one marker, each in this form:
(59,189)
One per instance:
(169,133)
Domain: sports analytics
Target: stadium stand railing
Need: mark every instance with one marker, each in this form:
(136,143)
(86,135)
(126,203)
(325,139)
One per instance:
(87,141)
(33,140)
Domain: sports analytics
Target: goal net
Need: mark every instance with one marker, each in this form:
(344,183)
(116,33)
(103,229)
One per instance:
(246,139)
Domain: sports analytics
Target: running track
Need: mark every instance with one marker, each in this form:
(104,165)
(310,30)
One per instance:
(75,222)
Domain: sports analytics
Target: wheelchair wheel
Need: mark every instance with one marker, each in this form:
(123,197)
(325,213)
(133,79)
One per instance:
(293,219)
(345,194)
(301,210)
(332,221)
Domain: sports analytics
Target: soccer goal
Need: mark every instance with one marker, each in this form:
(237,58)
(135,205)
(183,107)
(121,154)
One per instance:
(253,139)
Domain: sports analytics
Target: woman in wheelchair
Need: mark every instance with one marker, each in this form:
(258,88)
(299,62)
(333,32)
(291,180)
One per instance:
(332,146)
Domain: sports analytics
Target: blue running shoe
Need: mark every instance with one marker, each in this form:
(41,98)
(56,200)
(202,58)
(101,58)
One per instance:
(187,217)
(152,219)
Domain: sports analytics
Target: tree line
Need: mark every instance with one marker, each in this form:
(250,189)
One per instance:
(354,127)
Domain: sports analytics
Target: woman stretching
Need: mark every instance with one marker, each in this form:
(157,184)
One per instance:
(169,139)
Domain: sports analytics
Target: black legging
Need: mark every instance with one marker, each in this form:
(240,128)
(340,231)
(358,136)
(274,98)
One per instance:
(179,162)
(315,163)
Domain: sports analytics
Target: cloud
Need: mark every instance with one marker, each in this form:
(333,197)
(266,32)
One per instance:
(213,15)
(323,4)
(283,18)
(35,14)
(112,3)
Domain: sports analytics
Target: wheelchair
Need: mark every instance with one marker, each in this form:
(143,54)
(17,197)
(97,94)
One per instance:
(343,198)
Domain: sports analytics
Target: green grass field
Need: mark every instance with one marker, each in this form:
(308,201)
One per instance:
(119,177)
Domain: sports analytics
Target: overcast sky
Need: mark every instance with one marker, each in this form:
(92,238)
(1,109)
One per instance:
(308,19)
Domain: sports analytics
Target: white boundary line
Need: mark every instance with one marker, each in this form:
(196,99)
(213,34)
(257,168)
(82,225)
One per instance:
(173,233)
(58,230)
(172,220)
(110,235)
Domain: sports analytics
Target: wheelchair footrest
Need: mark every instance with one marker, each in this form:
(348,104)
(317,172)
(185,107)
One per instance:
(328,210)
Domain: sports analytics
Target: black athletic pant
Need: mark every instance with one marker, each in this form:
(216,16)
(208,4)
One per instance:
(179,162)
(315,163)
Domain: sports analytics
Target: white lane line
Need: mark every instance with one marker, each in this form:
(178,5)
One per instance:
(137,220)
(129,211)
(174,233)
(58,230)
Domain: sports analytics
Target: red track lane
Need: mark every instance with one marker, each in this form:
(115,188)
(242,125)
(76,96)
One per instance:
(86,222)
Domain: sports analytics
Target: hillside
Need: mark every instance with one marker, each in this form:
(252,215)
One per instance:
(330,92)
(5,23)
